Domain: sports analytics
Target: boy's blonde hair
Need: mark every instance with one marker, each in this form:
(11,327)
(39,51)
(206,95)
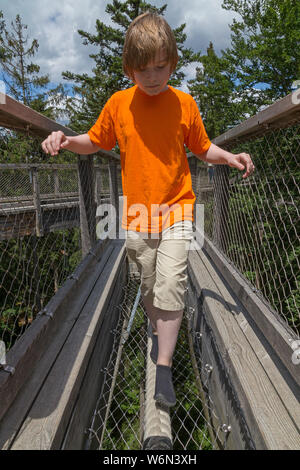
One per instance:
(146,35)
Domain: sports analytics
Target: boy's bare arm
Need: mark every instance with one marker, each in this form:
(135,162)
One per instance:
(218,156)
(80,144)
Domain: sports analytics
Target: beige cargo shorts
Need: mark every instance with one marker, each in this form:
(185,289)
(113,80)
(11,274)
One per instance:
(162,263)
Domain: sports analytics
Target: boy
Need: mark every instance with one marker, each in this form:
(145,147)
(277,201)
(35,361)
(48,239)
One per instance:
(152,122)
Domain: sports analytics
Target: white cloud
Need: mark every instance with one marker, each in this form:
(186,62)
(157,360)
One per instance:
(54,24)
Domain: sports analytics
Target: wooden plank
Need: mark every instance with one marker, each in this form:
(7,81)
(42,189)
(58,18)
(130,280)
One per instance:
(224,408)
(52,343)
(277,333)
(23,200)
(220,408)
(42,166)
(285,387)
(195,346)
(15,113)
(54,166)
(29,348)
(14,210)
(47,421)
(270,424)
(280,111)
(92,382)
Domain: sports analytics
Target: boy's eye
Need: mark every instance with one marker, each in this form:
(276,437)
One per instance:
(158,67)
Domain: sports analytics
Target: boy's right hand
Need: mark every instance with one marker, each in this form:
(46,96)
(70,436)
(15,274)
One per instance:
(55,142)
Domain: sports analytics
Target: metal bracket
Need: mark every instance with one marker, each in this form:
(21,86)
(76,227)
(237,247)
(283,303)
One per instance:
(11,370)
(208,368)
(46,313)
(226,428)
(72,276)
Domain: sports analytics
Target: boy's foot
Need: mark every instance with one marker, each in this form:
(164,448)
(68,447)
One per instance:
(164,390)
(154,349)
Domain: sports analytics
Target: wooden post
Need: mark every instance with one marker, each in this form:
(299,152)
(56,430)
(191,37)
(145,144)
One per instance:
(56,182)
(114,192)
(87,205)
(37,203)
(221,198)
(198,179)
(98,186)
(193,169)
(36,273)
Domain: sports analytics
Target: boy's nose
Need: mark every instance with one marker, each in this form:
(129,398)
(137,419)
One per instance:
(151,75)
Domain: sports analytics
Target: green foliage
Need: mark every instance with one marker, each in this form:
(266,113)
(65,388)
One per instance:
(31,271)
(266,245)
(108,77)
(21,76)
(214,90)
(190,410)
(123,426)
(265,47)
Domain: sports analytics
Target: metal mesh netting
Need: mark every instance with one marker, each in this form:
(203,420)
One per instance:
(255,222)
(40,237)
(119,417)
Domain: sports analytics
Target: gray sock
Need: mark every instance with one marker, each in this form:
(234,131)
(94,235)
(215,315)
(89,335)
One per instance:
(164,390)
(154,349)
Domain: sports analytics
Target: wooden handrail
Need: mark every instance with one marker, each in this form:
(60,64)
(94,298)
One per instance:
(280,114)
(15,115)
(45,166)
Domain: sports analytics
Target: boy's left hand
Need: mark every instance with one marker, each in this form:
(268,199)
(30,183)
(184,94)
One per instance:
(242,161)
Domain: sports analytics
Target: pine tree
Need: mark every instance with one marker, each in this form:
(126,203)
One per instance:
(265,47)
(92,92)
(214,92)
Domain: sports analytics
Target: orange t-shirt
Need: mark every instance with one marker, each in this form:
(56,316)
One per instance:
(151,132)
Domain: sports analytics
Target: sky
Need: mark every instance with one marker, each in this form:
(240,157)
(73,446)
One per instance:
(55,23)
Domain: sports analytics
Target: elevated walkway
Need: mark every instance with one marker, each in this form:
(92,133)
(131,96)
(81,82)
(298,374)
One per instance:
(84,379)
(79,375)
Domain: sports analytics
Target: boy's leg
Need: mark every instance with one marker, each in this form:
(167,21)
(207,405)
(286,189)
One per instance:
(169,290)
(166,324)
(142,252)
(169,269)
(151,313)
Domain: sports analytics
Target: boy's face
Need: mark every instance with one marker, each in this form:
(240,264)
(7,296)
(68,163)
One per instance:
(154,77)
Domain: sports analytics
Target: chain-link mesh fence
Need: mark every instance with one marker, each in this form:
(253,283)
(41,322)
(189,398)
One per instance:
(40,236)
(119,417)
(255,222)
